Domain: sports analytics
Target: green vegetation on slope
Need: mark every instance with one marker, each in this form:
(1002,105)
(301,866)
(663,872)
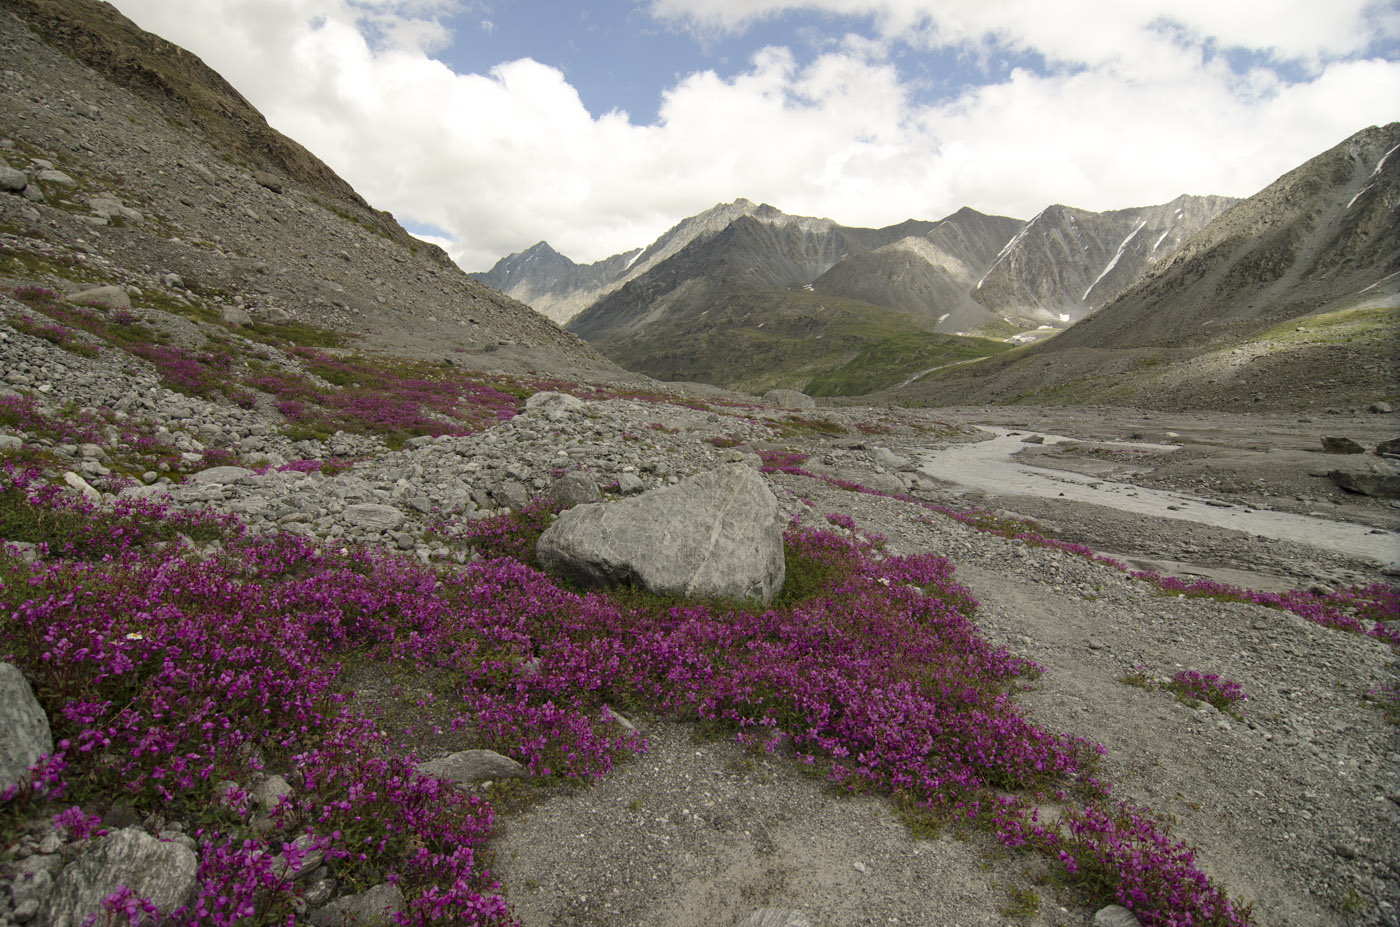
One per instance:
(758,340)
(894,360)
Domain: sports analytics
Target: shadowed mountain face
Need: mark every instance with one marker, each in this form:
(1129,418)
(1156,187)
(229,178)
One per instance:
(1324,233)
(928,274)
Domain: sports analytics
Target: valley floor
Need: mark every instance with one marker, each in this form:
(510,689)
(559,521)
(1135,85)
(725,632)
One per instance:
(1294,807)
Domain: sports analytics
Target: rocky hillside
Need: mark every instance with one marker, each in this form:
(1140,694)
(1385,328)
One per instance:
(930,275)
(1323,236)
(213,207)
(1066,263)
(1289,299)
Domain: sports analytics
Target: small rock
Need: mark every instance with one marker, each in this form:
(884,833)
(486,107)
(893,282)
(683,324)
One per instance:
(221,475)
(271,791)
(1115,916)
(11,180)
(58,177)
(268,181)
(789,399)
(82,486)
(378,907)
(775,917)
(1336,445)
(103,297)
(24,728)
(575,488)
(236,316)
(372,516)
(554,406)
(473,766)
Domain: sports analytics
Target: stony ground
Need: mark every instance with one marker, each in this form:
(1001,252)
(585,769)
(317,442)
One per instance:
(1295,807)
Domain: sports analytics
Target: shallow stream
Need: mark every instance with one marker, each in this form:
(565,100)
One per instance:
(991,467)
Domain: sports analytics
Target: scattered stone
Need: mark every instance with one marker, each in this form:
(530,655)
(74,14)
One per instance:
(371,516)
(24,728)
(789,399)
(268,181)
(82,486)
(554,406)
(274,315)
(1115,916)
(473,766)
(1336,445)
(511,494)
(271,791)
(717,534)
(378,907)
(110,209)
(236,316)
(775,917)
(1033,439)
(1382,407)
(58,177)
(11,180)
(1376,485)
(892,461)
(221,475)
(103,297)
(163,872)
(575,488)
(1389,448)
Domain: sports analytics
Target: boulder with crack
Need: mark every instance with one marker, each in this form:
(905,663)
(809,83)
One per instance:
(717,534)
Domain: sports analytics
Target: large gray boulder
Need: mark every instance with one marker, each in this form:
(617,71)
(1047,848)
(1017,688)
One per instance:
(24,728)
(717,534)
(789,399)
(162,872)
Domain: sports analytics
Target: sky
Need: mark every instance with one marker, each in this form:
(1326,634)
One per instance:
(489,125)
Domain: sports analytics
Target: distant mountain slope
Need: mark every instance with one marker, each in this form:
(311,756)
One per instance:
(1323,233)
(1065,263)
(552,284)
(761,249)
(560,289)
(929,275)
(1288,300)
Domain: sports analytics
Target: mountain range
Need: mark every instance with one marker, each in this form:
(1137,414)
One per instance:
(746,296)
(750,275)
(1288,299)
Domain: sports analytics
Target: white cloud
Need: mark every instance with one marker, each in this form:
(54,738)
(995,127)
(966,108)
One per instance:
(502,159)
